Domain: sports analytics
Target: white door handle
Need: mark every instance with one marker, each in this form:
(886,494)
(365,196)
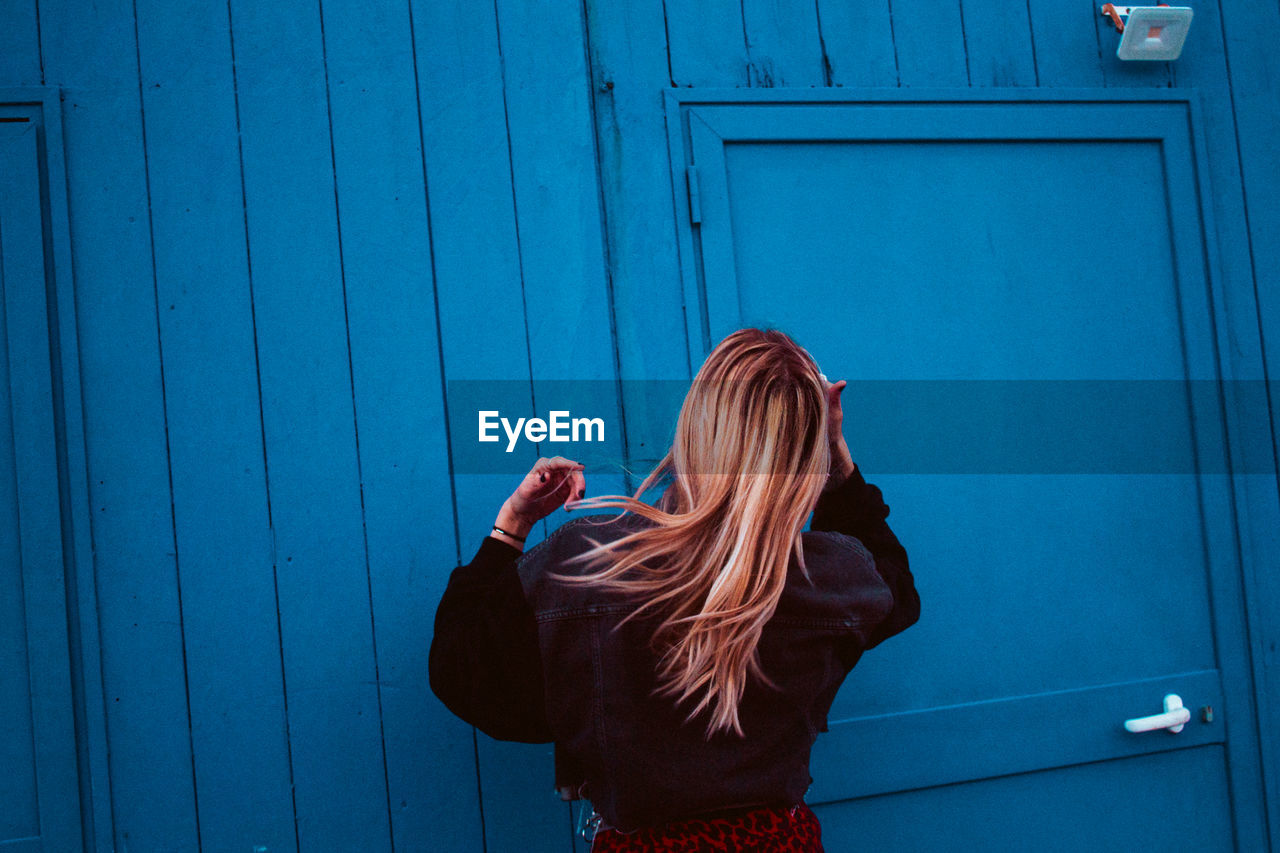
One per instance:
(1174,717)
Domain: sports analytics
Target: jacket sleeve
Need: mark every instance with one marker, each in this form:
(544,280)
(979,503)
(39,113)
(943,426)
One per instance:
(484,662)
(857,508)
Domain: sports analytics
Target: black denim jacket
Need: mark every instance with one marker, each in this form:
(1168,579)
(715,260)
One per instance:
(526,659)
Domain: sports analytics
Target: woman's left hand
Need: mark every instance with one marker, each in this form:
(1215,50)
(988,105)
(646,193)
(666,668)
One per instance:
(841,460)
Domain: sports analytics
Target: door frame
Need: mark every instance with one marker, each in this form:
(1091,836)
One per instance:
(42,105)
(1253,756)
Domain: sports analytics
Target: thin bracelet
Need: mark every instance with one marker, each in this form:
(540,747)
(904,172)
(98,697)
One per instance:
(505,533)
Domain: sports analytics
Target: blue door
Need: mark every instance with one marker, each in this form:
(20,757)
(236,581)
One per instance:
(961,256)
(39,797)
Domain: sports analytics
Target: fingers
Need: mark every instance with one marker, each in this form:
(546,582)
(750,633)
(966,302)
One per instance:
(577,489)
(554,463)
(546,467)
(833,393)
(835,412)
(560,479)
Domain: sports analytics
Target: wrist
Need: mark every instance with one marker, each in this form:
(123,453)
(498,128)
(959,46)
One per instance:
(842,466)
(841,459)
(512,522)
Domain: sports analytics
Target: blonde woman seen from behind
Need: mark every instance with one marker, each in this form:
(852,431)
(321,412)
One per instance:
(682,656)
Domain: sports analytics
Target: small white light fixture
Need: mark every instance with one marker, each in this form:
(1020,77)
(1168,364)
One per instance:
(1151,32)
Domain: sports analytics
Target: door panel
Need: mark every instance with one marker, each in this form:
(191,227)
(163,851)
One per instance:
(956,239)
(1051,811)
(38,784)
(913,247)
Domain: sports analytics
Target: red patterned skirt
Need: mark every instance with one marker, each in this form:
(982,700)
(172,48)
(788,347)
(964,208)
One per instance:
(777,830)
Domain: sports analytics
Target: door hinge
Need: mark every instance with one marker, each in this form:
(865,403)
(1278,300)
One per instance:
(695,199)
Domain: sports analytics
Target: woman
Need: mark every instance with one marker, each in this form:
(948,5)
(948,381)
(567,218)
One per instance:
(683,656)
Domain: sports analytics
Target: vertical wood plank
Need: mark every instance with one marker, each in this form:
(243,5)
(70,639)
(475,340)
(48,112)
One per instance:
(547,89)
(344,230)
(91,53)
(68,402)
(557,195)
(784,47)
(474,242)
(1065,41)
(239,728)
(29,419)
(626,46)
(1247,37)
(857,41)
(998,44)
(21,816)
(20,44)
(399,401)
(317,513)
(476,261)
(929,36)
(706,43)
(1228,56)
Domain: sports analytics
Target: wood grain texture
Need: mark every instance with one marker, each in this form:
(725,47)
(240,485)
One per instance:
(315,503)
(1225,59)
(783,45)
(92,55)
(629,51)
(477,269)
(239,728)
(20,62)
(998,45)
(43,696)
(44,107)
(546,89)
(929,38)
(1065,43)
(398,403)
(706,44)
(858,45)
(351,204)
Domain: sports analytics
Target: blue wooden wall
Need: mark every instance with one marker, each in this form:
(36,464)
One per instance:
(293,222)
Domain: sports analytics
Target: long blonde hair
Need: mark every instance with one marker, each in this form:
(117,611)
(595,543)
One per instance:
(748,462)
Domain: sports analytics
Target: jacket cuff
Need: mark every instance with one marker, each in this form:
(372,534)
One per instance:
(848,505)
(494,552)
(848,494)
(854,481)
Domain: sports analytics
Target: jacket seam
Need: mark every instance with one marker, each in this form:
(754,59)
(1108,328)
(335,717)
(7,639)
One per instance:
(821,622)
(840,539)
(580,612)
(602,739)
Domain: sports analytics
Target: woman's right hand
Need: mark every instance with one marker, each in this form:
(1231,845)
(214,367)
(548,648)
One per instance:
(841,460)
(549,485)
